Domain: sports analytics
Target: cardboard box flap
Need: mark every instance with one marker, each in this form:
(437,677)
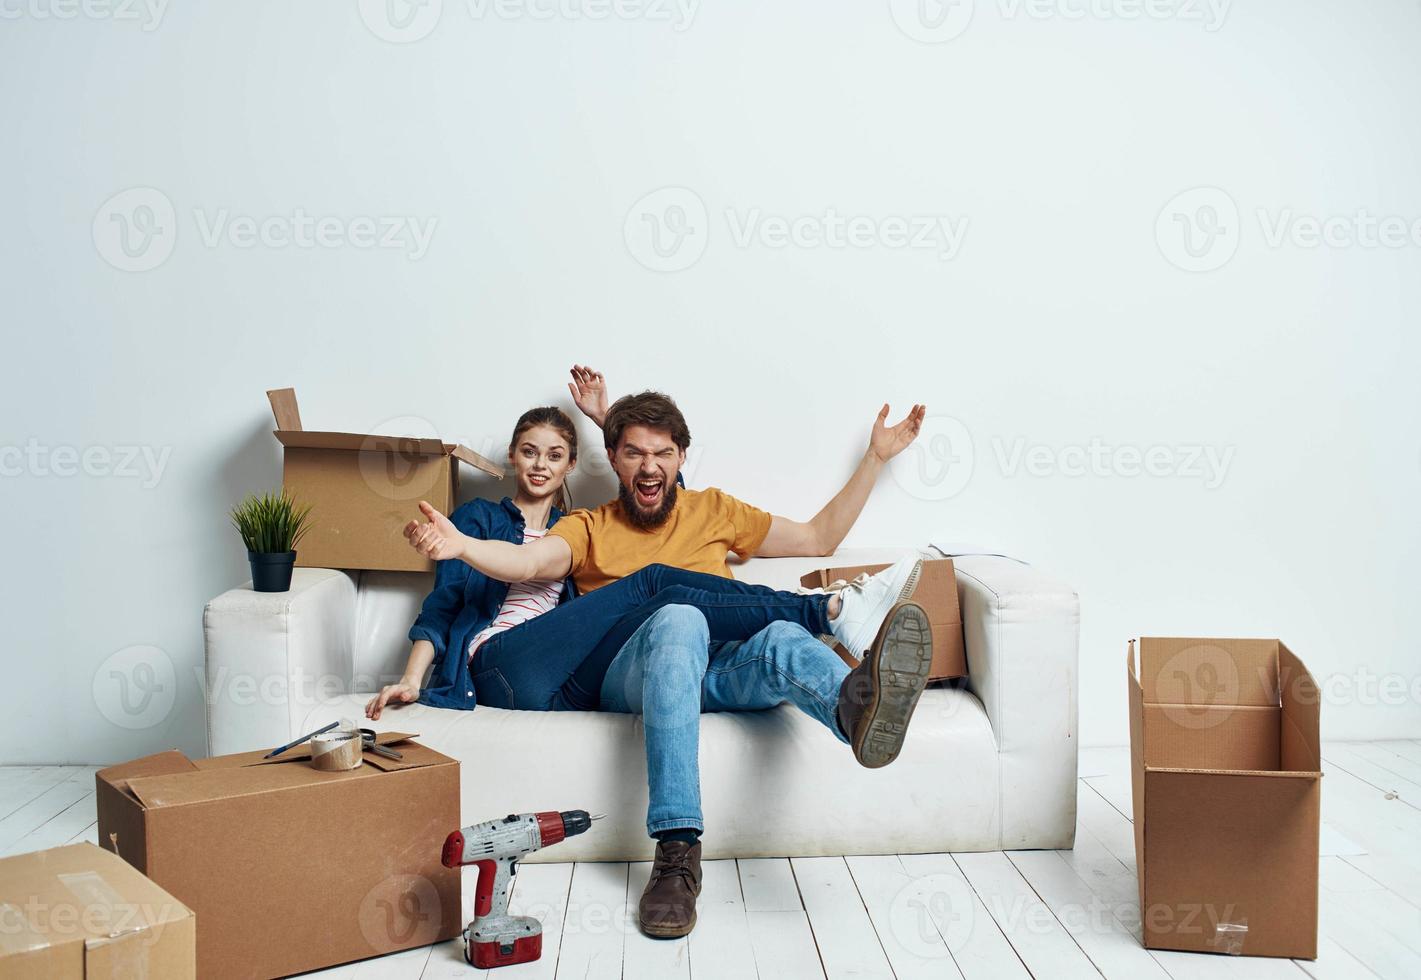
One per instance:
(292,434)
(1193,670)
(207,785)
(1137,762)
(1301,746)
(360,443)
(158,764)
(475,460)
(283,408)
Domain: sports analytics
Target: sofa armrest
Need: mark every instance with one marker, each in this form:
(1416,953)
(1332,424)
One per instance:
(271,656)
(1022,632)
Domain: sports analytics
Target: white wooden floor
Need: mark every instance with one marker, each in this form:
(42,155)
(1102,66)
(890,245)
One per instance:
(1043,914)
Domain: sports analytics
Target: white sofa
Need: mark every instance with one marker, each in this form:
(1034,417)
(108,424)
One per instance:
(988,764)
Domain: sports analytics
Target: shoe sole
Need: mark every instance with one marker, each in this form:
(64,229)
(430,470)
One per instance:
(666,932)
(902,656)
(670,932)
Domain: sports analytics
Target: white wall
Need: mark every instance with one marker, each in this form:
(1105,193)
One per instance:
(1062,319)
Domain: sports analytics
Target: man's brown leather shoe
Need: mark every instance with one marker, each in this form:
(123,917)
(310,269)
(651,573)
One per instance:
(879,695)
(668,903)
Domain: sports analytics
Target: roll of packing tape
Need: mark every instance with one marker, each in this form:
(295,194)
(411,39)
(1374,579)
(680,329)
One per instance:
(336,751)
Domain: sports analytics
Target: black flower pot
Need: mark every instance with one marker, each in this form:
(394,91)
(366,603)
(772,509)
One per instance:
(271,571)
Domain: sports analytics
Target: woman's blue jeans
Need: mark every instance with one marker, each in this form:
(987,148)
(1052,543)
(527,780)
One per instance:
(557,661)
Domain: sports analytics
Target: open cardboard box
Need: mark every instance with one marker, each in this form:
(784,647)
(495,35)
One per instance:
(289,868)
(1226,773)
(936,592)
(80,913)
(364,488)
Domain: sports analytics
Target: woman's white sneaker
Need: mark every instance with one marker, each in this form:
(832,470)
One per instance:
(865,605)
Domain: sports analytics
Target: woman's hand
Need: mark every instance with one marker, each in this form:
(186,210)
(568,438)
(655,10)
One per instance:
(438,539)
(589,393)
(402,693)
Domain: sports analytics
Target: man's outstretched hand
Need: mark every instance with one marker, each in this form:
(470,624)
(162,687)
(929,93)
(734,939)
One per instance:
(589,392)
(888,441)
(438,538)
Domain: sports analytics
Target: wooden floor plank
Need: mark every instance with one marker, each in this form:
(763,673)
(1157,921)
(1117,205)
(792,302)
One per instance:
(1103,761)
(978,947)
(1109,943)
(1405,748)
(900,907)
(1107,824)
(1334,963)
(1384,758)
(1346,756)
(645,958)
(768,885)
(783,945)
(720,944)
(76,783)
(61,828)
(1364,925)
(594,923)
(407,964)
(89,833)
(1038,937)
(1115,789)
(848,944)
(20,784)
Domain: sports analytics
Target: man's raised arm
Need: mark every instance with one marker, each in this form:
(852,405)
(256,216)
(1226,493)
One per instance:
(546,558)
(822,534)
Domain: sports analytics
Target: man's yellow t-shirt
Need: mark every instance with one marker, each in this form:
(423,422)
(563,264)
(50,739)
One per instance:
(704,526)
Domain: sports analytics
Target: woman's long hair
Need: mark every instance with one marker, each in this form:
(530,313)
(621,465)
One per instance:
(557,420)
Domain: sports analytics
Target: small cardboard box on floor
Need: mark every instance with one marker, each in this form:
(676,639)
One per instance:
(287,868)
(936,592)
(364,488)
(1226,772)
(79,913)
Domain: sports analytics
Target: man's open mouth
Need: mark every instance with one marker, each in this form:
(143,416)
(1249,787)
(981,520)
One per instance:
(648,492)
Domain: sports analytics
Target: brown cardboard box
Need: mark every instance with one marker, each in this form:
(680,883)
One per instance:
(1226,772)
(290,869)
(363,489)
(79,912)
(936,592)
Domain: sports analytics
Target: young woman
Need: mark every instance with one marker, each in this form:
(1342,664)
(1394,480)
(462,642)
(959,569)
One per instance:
(521,644)
(465,606)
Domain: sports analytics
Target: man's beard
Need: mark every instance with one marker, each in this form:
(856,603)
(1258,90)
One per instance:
(637,516)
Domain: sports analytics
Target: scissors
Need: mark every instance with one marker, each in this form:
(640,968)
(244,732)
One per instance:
(367,738)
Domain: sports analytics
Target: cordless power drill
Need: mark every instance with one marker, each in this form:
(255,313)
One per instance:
(496,938)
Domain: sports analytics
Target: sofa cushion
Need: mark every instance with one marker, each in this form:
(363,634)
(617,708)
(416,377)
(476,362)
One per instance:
(774,782)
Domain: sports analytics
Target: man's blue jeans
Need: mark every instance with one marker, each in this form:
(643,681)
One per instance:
(670,671)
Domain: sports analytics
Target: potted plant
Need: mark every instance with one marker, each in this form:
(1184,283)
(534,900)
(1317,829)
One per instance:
(271,525)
